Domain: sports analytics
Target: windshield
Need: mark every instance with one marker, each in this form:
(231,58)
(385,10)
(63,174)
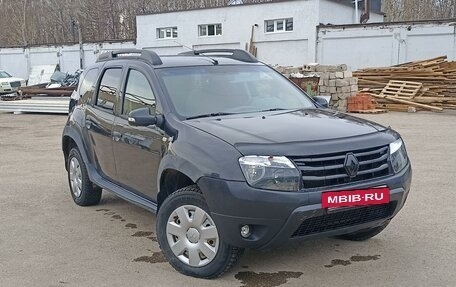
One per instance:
(222,90)
(4,74)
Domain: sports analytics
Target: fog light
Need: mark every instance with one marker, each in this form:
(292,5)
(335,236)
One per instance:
(245,231)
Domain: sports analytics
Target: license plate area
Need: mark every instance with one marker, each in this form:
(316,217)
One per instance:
(357,197)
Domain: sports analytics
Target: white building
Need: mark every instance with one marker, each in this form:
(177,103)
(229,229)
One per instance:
(284,32)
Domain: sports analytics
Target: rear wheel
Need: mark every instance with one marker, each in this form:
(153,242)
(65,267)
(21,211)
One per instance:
(364,234)
(189,238)
(83,191)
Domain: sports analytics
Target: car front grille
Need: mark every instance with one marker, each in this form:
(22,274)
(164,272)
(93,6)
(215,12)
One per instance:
(15,84)
(329,170)
(345,218)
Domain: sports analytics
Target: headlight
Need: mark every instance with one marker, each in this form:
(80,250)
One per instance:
(5,84)
(270,172)
(398,155)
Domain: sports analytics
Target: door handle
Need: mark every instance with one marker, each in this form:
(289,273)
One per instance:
(116,136)
(88,124)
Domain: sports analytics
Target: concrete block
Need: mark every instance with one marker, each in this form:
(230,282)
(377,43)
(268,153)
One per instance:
(346,89)
(332,75)
(354,88)
(353,81)
(342,83)
(339,75)
(322,89)
(339,90)
(329,68)
(292,70)
(332,83)
(334,97)
(332,90)
(324,76)
(309,68)
(342,105)
(348,74)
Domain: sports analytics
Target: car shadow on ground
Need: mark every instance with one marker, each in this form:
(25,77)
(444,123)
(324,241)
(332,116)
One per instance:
(331,252)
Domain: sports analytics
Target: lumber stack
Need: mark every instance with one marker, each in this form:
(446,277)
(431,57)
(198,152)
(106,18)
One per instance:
(419,85)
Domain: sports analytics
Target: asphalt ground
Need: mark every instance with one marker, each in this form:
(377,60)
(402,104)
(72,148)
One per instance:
(46,240)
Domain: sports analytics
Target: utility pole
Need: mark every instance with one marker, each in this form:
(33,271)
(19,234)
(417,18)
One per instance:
(77,26)
(356,12)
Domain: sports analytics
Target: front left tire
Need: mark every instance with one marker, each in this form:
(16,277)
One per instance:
(189,237)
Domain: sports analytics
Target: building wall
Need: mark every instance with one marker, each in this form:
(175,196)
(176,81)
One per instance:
(18,61)
(338,14)
(285,48)
(387,44)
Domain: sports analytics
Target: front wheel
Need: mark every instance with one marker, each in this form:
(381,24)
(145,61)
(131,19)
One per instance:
(189,238)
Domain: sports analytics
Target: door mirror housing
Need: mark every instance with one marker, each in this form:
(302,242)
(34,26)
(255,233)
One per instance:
(321,101)
(142,118)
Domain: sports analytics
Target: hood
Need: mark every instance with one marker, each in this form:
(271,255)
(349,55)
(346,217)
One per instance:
(307,125)
(12,79)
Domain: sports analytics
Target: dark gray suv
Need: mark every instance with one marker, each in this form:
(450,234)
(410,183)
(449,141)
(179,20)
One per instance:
(229,154)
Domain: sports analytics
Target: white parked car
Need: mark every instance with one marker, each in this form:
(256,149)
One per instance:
(9,83)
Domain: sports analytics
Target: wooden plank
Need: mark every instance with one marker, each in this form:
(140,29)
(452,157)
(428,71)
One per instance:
(373,111)
(389,98)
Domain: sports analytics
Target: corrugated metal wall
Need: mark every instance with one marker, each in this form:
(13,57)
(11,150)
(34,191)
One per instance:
(375,45)
(18,61)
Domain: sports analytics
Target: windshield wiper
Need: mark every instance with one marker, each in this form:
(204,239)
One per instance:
(210,115)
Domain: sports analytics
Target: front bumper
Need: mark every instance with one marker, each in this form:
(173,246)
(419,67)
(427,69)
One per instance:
(8,88)
(275,217)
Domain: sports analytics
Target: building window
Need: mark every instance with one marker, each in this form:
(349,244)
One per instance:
(167,33)
(210,30)
(278,25)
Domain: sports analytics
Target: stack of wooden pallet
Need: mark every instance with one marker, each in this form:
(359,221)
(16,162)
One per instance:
(420,85)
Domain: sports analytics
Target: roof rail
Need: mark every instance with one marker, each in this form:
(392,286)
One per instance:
(146,55)
(236,54)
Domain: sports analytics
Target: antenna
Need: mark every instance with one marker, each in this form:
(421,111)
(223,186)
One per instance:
(214,61)
(185,46)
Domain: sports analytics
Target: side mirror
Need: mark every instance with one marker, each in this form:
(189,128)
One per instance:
(323,102)
(142,118)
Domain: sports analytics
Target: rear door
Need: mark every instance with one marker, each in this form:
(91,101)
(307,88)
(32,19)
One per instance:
(100,120)
(138,150)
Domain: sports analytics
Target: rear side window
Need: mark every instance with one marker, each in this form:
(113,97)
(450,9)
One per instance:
(109,89)
(88,86)
(138,93)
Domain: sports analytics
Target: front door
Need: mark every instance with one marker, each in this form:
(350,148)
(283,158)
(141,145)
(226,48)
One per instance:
(138,150)
(100,121)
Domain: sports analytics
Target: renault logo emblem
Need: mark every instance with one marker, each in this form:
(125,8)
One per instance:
(351,164)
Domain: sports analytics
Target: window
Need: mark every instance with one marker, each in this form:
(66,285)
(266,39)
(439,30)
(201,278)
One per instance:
(4,74)
(167,33)
(210,30)
(87,86)
(279,25)
(138,93)
(109,87)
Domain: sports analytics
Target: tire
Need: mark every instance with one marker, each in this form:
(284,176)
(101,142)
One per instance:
(176,227)
(364,234)
(83,191)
